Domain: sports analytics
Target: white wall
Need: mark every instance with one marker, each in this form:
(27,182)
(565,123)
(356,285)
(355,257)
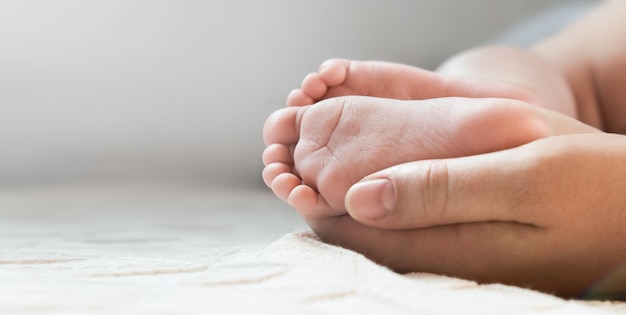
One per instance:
(179,90)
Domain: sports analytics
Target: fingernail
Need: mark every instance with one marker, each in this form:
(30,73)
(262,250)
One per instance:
(371,200)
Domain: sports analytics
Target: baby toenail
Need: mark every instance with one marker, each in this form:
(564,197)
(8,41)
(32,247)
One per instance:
(371,200)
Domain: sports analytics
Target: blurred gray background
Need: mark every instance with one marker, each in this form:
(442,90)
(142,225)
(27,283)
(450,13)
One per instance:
(99,91)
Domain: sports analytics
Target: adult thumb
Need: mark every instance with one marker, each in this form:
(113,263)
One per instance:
(448,191)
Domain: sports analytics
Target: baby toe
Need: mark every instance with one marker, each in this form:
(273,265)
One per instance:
(271,171)
(280,127)
(334,71)
(310,204)
(313,86)
(277,153)
(298,98)
(283,184)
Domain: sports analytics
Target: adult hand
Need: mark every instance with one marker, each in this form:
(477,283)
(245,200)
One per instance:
(549,214)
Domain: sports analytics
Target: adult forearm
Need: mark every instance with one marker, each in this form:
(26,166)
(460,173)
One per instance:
(580,71)
(591,55)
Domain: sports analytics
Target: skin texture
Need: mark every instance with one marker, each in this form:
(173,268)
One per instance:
(548,214)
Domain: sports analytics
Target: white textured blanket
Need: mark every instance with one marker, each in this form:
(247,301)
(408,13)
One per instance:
(172,251)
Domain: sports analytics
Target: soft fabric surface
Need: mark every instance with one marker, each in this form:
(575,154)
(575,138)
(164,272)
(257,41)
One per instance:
(173,250)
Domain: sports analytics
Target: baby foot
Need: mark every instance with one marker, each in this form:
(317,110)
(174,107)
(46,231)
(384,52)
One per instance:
(316,153)
(342,77)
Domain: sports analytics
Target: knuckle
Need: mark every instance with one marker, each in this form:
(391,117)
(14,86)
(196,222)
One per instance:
(434,191)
